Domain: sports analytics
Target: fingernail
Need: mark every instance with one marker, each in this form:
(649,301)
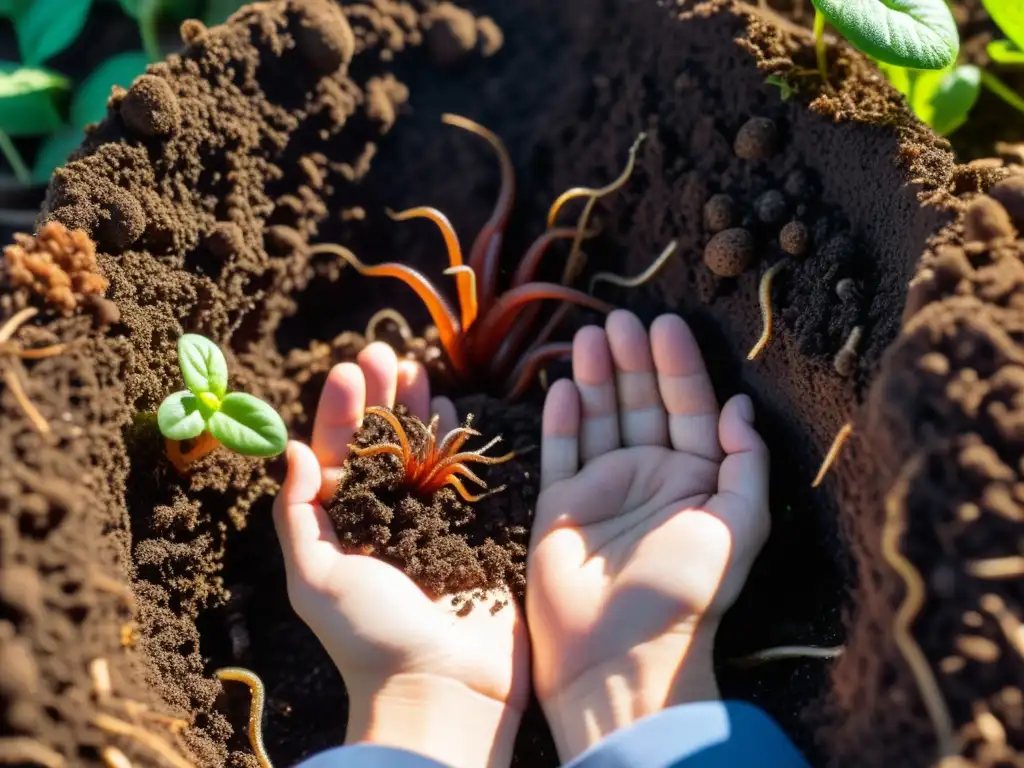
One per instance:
(746,408)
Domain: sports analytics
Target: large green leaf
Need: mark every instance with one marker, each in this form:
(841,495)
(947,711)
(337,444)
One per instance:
(1009,15)
(920,34)
(29,100)
(47,27)
(249,426)
(179,416)
(944,99)
(202,365)
(11,8)
(89,104)
(1005,52)
(54,152)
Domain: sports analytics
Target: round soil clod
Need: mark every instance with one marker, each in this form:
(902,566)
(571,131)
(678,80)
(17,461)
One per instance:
(771,207)
(323,35)
(1010,194)
(986,220)
(719,213)
(794,239)
(729,253)
(150,108)
(757,139)
(451,33)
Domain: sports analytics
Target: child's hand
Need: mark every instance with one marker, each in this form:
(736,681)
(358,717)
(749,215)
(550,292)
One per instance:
(653,507)
(417,676)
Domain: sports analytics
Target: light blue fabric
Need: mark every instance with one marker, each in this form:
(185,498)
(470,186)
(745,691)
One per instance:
(706,734)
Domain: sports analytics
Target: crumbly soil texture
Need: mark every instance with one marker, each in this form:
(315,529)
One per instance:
(124,586)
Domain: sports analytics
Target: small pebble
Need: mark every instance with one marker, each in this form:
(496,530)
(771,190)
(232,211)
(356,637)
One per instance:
(719,213)
(771,207)
(757,139)
(846,289)
(794,238)
(729,252)
(986,220)
(150,108)
(1010,194)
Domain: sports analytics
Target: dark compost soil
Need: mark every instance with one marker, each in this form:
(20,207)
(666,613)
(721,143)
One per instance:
(203,197)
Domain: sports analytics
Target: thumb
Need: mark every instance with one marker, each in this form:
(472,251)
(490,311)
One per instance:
(743,474)
(302,526)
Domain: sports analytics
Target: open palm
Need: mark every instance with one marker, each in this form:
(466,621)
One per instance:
(372,619)
(652,509)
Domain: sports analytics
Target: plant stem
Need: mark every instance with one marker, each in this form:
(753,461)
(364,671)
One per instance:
(13,157)
(1002,90)
(148,12)
(819,44)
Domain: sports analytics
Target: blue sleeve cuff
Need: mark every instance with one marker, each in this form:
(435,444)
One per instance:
(706,734)
(368,756)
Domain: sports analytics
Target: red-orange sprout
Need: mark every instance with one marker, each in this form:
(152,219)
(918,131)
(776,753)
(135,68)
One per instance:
(491,336)
(435,464)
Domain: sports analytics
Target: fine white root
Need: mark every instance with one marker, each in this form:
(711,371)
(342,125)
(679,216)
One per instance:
(638,280)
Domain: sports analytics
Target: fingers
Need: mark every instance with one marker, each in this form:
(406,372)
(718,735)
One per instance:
(380,367)
(413,389)
(560,434)
(339,414)
(642,417)
(594,375)
(301,523)
(447,415)
(686,388)
(744,472)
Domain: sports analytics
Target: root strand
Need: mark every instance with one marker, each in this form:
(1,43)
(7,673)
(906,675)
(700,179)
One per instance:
(638,280)
(833,453)
(788,652)
(764,293)
(19,750)
(150,741)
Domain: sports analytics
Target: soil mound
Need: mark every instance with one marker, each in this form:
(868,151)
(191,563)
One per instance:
(296,123)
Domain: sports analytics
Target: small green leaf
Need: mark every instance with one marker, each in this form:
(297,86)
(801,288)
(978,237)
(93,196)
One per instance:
(47,27)
(29,99)
(179,417)
(786,89)
(944,99)
(89,104)
(1009,16)
(900,77)
(920,34)
(249,426)
(54,152)
(202,365)
(1005,52)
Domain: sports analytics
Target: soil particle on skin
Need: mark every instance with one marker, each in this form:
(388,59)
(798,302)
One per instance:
(446,545)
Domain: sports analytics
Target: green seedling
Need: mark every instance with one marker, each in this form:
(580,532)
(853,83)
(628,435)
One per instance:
(786,89)
(239,421)
(1009,17)
(918,34)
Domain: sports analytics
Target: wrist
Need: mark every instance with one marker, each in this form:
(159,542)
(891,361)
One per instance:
(436,717)
(674,669)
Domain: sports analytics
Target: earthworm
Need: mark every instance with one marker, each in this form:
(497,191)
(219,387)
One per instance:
(833,453)
(788,652)
(149,740)
(764,292)
(638,280)
(259,697)
(927,685)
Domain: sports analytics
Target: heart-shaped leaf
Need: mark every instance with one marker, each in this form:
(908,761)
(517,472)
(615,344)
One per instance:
(54,152)
(29,99)
(89,104)
(944,99)
(249,426)
(202,365)
(920,34)
(47,27)
(180,417)
(1005,52)
(1009,16)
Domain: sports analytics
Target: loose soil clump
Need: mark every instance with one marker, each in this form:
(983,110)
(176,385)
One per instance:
(299,123)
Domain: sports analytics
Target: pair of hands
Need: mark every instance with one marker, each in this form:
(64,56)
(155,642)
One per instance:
(653,506)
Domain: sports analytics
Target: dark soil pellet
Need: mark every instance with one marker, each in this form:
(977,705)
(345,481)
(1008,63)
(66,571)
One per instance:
(794,238)
(987,220)
(797,184)
(1010,194)
(719,213)
(451,33)
(771,207)
(729,252)
(757,139)
(150,108)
